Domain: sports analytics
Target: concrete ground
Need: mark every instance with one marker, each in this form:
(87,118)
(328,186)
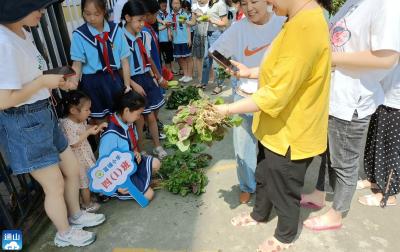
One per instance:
(202,224)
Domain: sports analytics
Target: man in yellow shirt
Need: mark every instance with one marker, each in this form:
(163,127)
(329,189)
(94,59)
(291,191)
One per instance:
(290,115)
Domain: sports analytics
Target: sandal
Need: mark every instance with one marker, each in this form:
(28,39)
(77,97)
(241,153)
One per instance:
(198,85)
(243,220)
(316,225)
(273,245)
(361,185)
(217,90)
(371,200)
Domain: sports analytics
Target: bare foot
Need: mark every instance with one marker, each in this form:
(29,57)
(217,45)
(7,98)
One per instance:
(331,220)
(317,198)
(243,220)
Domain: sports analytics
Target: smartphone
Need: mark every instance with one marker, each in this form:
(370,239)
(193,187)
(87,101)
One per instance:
(220,59)
(66,71)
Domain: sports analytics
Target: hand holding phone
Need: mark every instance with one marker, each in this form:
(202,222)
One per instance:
(65,71)
(223,61)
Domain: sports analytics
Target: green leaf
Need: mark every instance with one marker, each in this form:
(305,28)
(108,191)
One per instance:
(183,145)
(219,101)
(236,120)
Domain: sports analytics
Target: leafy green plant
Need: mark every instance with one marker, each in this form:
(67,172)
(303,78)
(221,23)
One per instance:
(183,172)
(221,75)
(199,123)
(336,4)
(182,97)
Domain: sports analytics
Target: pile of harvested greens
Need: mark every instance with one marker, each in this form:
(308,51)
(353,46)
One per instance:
(182,97)
(199,123)
(183,173)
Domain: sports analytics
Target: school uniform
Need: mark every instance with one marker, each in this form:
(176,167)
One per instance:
(100,78)
(166,48)
(180,34)
(139,64)
(121,136)
(149,32)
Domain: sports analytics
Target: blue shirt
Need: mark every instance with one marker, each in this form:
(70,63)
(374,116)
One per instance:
(180,33)
(135,59)
(113,140)
(162,35)
(155,54)
(84,51)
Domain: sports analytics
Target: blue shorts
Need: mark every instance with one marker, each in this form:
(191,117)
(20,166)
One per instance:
(30,137)
(154,97)
(182,50)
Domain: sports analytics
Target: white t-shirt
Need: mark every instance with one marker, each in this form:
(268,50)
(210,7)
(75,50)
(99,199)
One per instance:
(247,43)
(391,87)
(368,25)
(21,63)
(117,10)
(197,6)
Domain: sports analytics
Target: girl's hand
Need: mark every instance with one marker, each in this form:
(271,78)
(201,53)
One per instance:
(123,191)
(127,89)
(93,130)
(138,88)
(190,43)
(163,83)
(71,83)
(242,72)
(51,81)
(138,157)
(102,126)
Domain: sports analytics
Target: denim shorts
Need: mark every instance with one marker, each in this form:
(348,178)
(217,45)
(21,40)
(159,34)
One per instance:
(30,137)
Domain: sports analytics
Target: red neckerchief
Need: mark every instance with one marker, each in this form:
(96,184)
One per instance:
(106,58)
(143,52)
(239,15)
(174,20)
(131,132)
(153,34)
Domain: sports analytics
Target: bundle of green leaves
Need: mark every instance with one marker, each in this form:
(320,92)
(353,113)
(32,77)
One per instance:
(199,123)
(183,173)
(182,97)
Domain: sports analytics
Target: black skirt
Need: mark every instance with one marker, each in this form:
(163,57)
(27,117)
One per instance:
(382,155)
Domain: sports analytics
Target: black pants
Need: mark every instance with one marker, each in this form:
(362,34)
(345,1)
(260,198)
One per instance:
(167,52)
(279,184)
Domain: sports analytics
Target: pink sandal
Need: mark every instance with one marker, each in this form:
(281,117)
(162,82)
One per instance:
(316,225)
(273,245)
(243,220)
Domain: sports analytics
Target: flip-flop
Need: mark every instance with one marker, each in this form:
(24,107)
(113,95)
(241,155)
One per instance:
(361,185)
(243,220)
(272,245)
(371,200)
(309,204)
(314,226)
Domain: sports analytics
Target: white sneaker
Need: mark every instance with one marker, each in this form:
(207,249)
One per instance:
(188,79)
(75,237)
(160,152)
(87,220)
(92,207)
(182,79)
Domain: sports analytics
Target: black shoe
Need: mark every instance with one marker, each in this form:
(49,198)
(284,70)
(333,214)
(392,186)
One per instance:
(160,125)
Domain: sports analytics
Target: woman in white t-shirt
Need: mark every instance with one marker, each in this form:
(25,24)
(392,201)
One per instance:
(365,38)
(382,158)
(31,140)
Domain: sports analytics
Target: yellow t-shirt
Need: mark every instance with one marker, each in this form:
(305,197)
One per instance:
(293,92)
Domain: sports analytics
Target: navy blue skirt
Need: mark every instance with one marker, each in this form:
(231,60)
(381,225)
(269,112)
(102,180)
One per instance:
(141,178)
(102,88)
(154,97)
(182,50)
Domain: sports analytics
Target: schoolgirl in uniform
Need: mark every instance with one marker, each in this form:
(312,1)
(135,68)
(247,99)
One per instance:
(140,70)
(166,48)
(99,50)
(181,36)
(120,134)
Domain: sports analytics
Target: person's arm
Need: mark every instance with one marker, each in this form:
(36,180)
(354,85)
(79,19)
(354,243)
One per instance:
(12,97)
(383,59)
(189,36)
(222,22)
(126,73)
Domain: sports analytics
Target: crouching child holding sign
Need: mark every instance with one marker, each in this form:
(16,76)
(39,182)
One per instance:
(121,171)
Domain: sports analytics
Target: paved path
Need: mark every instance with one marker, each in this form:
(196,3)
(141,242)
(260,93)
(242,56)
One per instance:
(201,224)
